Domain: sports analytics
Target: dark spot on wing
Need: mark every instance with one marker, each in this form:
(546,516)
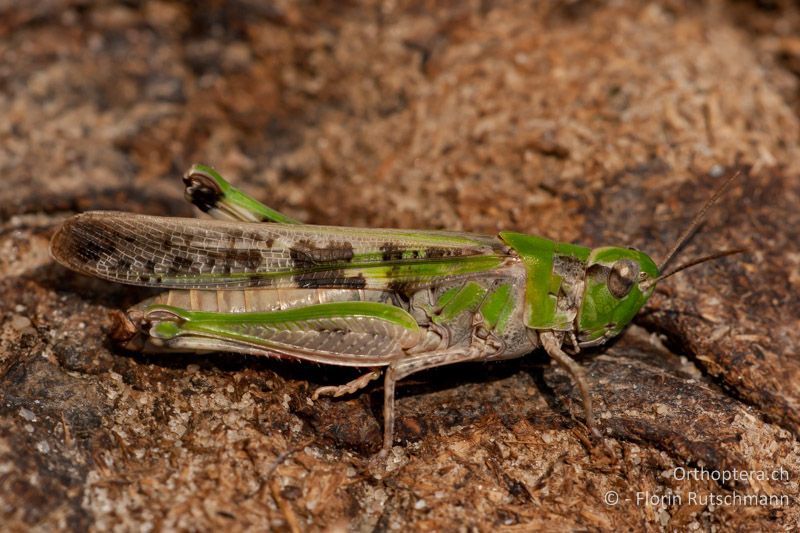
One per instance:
(391,252)
(436,253)
(150,266)
(92,251)
(249,259)
(123,263)
(257,238)
(306,254)
(300,258)
(231,260)
(258,280)
(356,282)
(339,251)
(329,279)
(254,259)
(180,264)
(309,280)
(95,246)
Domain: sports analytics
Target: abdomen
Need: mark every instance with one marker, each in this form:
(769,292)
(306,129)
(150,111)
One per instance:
(258,300)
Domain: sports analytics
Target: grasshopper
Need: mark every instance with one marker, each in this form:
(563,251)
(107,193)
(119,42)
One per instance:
(255,281)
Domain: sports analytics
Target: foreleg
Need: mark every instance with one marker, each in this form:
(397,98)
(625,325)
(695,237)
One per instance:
(552,345)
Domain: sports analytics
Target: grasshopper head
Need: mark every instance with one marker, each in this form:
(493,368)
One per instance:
(618,283)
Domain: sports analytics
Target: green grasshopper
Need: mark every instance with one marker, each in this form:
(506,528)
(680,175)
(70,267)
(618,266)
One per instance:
(399,300)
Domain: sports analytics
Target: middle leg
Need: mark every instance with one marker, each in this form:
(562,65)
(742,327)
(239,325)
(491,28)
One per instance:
(405,367)
(348,388)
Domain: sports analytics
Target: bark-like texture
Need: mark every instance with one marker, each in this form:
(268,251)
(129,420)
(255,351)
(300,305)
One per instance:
(580,121)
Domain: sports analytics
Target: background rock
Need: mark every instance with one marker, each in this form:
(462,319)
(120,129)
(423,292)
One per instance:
(590,122)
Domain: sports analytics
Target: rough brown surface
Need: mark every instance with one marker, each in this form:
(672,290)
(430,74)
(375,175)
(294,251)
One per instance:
(579,121)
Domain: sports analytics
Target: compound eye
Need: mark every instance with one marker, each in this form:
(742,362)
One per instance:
(624,273)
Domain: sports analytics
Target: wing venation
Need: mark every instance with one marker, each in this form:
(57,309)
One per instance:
(184,253)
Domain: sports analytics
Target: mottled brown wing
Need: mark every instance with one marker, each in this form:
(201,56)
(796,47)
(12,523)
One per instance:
(191,253)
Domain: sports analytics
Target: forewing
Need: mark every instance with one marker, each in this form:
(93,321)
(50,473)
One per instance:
(187,253)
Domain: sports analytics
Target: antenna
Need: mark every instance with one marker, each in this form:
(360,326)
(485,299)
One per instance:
(691,263)
(696,221)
